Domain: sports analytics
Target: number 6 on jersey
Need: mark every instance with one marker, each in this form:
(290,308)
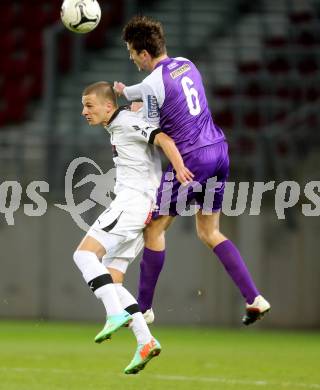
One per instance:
(191,95)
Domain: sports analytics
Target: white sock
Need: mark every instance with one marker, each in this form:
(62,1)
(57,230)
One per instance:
(140,328)
(110,299)
(125,297)
(138,325)
(91,268)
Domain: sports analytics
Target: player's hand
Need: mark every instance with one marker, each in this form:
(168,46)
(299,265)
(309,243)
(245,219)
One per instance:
(184,176)
(136,106)
(118,87)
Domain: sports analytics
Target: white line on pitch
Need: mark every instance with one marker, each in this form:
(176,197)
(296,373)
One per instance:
(237,382)
(32,369)
(181,378)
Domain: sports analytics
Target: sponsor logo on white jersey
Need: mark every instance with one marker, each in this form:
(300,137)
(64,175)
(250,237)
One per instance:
(153,108)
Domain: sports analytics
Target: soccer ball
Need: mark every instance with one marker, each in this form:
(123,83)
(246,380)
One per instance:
(80,16)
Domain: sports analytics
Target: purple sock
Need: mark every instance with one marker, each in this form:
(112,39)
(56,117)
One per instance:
(150,268)
(230,257)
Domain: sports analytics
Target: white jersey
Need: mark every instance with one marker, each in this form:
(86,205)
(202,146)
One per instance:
(137,161)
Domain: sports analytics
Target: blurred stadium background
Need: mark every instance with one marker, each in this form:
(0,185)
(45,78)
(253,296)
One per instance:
(260,61)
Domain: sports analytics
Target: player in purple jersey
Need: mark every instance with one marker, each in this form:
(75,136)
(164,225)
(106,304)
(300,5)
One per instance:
(174,98)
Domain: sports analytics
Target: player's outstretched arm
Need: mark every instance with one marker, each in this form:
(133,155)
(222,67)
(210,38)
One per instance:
(183,175)
(134,92)
(118,87)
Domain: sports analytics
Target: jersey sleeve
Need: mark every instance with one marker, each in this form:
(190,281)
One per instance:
(134,92)
(151,107)
(143,131)
(152,93)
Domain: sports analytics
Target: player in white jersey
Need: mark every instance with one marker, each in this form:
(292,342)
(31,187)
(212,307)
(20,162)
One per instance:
(116,237)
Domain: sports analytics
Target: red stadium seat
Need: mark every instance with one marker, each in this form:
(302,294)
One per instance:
(16,111)
(250,67)
(35,77)
(276,42)
(282,148)
(8,16)
(302,16)
(224,118)
(223,92)
(278,65)
(97,38)
(111,15)
(64,59)
(8,42)
(313,121)
(280,115)
(53,13)
(313,93)
(16,90)
(246,145)
(306,38)
(283,92)
(308,66)
(34,18)
(297,93)
(253,120)
(34,43)
(254,90)
(17,67)
(3,116)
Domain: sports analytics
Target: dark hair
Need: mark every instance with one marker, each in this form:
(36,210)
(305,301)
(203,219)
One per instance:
(145,33)
(101,89)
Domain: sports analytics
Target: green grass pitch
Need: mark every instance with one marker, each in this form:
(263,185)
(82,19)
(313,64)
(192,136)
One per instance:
(63,356)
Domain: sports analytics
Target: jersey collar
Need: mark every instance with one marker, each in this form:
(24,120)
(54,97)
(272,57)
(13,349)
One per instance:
(163,62)
(116,113)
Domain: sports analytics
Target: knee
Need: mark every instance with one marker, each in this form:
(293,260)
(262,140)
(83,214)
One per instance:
(153,233)
(117,276)
(209,237)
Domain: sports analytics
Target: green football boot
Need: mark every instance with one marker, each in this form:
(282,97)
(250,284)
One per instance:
(143,355)
(113,324)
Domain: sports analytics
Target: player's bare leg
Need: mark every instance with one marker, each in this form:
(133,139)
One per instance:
(117,276)
(154,232)
(208,229)
(152,262)
(209,233)
(87,257)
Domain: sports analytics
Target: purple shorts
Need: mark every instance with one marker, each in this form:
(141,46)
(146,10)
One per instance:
(210,166)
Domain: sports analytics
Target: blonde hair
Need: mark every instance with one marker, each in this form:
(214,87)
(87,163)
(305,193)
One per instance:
(101,89)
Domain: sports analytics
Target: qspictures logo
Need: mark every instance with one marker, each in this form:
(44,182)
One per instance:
(238,198)
(101,194)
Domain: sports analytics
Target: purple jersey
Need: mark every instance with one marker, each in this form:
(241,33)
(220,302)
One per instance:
(174,99)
